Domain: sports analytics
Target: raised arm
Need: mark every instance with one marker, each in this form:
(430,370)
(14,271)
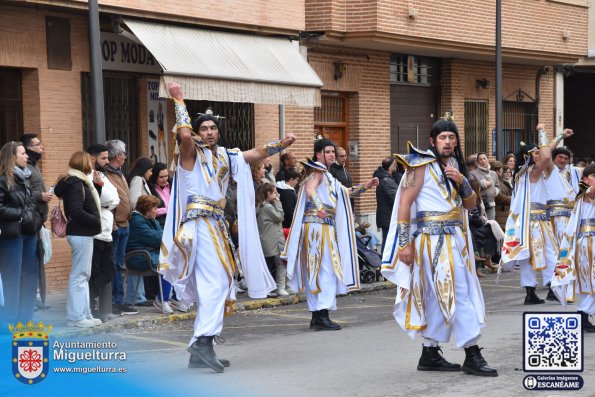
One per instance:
(259,153)
(362,187)
(183,126)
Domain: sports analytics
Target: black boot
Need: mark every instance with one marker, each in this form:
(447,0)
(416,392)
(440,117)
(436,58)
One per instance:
(532,298)
(551,296)
(203,348)
(475,364)
(432,360)
(313,320)
(323,323)
(587,325)
(197,362)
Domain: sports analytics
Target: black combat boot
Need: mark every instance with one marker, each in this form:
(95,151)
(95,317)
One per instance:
(532,298)
(432,360)
(587,325)
(323,323)
(313,320)
(196,362)
(551,296)
(203,348)
(475,364)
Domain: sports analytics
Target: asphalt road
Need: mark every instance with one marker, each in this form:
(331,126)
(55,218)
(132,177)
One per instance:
(273,353)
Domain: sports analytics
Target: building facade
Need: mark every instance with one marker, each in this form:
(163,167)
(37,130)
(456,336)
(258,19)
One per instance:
(389,69)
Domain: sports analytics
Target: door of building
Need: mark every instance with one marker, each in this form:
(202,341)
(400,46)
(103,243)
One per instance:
(413,110)
(331,118)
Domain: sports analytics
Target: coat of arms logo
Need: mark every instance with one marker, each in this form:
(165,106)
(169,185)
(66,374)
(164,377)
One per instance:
(30,352)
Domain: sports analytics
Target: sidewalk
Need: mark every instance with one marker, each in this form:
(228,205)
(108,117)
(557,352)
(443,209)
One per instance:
(150,316)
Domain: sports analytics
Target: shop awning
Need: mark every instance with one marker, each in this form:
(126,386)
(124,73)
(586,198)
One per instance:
(229,67)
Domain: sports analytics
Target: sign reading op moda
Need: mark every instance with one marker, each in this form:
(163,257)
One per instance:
(123,54)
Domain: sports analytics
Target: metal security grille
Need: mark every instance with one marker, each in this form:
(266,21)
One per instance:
(237,128)
(411,69)
(332,110)
(121,112)
(476,126)
(520,120)
(11,105)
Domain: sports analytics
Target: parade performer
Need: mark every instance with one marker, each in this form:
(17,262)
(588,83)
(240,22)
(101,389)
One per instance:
(320,249)
(577,252)
(562,187)
(197,256)
(529,240)
(429,253)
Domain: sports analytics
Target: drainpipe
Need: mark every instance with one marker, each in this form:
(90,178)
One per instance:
(96,74)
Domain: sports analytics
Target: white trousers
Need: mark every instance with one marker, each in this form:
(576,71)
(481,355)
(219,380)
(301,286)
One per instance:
(327,281)
(586,303)
(465,323)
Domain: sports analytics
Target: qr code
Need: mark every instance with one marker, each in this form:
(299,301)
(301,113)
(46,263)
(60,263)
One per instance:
(552,342)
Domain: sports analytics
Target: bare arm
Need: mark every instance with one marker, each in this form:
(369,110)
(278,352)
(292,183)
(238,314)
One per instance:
(187,147)
(355,191)
(259,153)
(409,193)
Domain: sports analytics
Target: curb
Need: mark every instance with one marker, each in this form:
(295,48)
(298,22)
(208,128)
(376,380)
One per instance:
(240,307)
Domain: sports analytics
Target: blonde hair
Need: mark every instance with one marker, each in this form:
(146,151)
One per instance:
(81,161)
(8,155)
(254,167)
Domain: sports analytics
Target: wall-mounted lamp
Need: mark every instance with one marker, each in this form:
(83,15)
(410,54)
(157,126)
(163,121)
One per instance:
(412,12)
(339,69)
(483,83)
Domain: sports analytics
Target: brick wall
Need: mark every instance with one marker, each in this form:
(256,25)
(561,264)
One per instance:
(51,102)
(459,83)
(536,25)
(260,14)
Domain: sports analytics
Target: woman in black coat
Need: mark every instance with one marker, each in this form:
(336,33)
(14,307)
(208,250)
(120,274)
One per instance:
(19,223)
(82,210)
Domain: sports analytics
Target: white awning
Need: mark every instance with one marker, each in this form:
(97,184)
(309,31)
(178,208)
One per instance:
(229,67)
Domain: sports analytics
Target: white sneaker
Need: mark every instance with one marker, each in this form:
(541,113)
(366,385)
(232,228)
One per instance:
(179,306)
(97,321)
(163,306)
(239,289)
(84,323)
(290,290)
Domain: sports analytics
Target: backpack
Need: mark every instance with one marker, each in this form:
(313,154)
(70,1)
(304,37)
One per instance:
(58,221)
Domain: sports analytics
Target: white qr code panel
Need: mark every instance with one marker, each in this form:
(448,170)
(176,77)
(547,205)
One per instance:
(552,342)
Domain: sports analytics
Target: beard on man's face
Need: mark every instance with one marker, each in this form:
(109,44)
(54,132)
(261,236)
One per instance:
(99,168)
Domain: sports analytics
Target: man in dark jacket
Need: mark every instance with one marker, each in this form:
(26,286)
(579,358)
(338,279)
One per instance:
(41,197)
(385,195)
(339,170)
(287,195)
(288,161)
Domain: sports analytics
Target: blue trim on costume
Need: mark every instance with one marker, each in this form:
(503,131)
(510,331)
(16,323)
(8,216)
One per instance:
(523,220)
(392,251)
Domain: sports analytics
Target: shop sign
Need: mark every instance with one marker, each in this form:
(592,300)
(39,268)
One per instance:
(122,54)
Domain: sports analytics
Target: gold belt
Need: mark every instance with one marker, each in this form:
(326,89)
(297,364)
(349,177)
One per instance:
(203,203)
(560,204)
(586,229)
(452,215)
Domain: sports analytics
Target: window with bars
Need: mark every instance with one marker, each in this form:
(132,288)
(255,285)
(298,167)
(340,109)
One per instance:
(476,126)
(237,126)
(121,111)
(331,110)
(411,69)
(11,106)
(520,120)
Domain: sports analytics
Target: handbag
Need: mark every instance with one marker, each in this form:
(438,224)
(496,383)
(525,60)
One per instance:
(58,221)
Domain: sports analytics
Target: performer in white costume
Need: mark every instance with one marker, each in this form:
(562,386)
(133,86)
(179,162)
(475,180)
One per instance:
(429,254)
(320,249)
(197,255)
(529,238)
(562,187)
(577,252)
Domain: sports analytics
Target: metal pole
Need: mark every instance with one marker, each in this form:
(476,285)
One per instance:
(499,135)
(96,74)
